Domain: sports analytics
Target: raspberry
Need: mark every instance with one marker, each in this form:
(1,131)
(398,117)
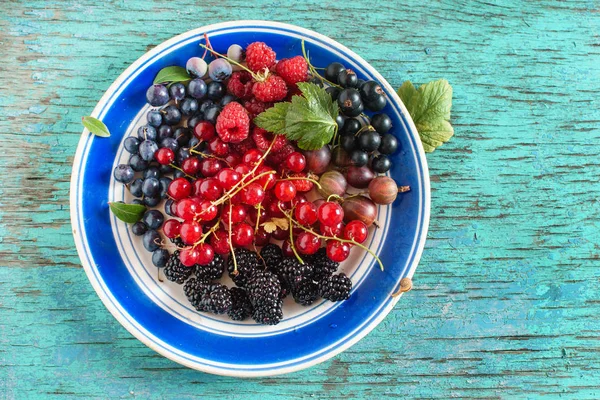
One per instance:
(240,85)
(233,123)
(243,146)
(279,157)
(301,185)
(293,70)
(272,89)
(255,107)
(263,140)
(259,56)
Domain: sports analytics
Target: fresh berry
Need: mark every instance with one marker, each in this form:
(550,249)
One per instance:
(190,165)
(219,69)
(189,256)
(296,162)
(160,257)
(337,251)
(253,194)
(175,271)
(259,56)
(179,188)
(218,147)
(263,140)
(335,288)
(212,270)
(196,66)
(242,234)
(332,71)
(153,219)
(347,79)
(171,228)
(190,232)
(219,240)
(292,271)
(272,89)
(238,213)
(263,287)
(350,102)
(368,140)
(306,213)
(301,185)
(331,230)
(330,213)
(285,190)
(123,173)
(381,164)
(268,313)
(272,256)
(240,85)
(305,292)
(233,123)
(293,70)
(215,91)
(209,167)
(139,228)
(255,107)
(157,95)
(241,308)
(197,88)
(389,144)
(243,146)
(279,157)
(307,243)
(204,131)
(356,230)
(217,300)
(195,290)
(247,264)
(165,156)
(228,178)
(323,266)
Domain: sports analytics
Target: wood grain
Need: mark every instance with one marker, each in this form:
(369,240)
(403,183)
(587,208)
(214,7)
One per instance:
(506,300)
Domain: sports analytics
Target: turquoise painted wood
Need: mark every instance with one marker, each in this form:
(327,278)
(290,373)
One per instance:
(507,297)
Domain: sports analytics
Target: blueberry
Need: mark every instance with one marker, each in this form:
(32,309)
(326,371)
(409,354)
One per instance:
(151,187)
(160,257)
(152,201)
(182,154)
(350,102)
(195,120)
(137,162)
(182,135)
(123,173)
(381,164)
(164,186)
(171,115)
(136,187)
(164,131)
(132,144)
(139,228)
(153,218)
(370,90)
(377,104)
(359,158)
(169,204)
(389,144)
(205,104)
(368,140)
(157,95)
(228,98)
(212,113)
(351,126)
(154,118)
(347,78)
(166,169)
(147,149)
(170,143)
(152,172)
(146,132)
(215,90)
(348,142)
(219,70)
(333,92)
(197,88)
(196,66)
(178,174)
(332,71)
(189,106)
(381,123)
(151,240)
(177,91)
(360,82)
(194,141)
(236,53)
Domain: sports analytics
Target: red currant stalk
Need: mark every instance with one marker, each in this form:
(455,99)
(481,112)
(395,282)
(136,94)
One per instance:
(207,155)
(207,234)
(292,235)
(235,271)
(351,241)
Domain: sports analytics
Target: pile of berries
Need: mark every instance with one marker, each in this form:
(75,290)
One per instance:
(232,188)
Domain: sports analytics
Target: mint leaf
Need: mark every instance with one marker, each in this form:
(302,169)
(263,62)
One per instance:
(172,74)
(429,106)
(273,119)
(130,213)
(95,126)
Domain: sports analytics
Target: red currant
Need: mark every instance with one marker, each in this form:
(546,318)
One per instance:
(220,242)
(286,248)
(356,230)
(190,232)
(238,213)
(233,159)
(253,194)
(295,162)
(243,169)
(187,209)
(261,237)
(253,214)
(285,190)
(330,213)
(299,199)
(205,254)
(267,181)
(228,178)
(337,251)
(207,211)
(334,230)
(210,167)
(218,147)
(306,213)
(179,188)
(165,156)
(237,198)
(252,157)
(242,235)
(204,131)
(209,189)
(280,234)
(171,228)
(307,243)
(191,165)
(189,256)
(275,207)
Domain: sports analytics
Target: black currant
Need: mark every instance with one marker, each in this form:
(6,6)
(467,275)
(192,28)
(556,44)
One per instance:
(359,158)
(381,122)
(381,164)
(332,71)
(370,90)
(368,140)
(350,102)
(377,104)
(351,126)
(333,92)
(347,78)
(389,144)
(348,142)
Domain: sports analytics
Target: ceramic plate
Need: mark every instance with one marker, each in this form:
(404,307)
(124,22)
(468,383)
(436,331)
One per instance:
(156,312)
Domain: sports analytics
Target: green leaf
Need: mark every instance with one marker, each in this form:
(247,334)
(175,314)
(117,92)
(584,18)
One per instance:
(429,106)
(172,74)
(130,213)
(273,119)
(95,126)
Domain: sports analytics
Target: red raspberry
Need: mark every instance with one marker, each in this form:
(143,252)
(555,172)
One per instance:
(259,56)
(301,185)
(263,140)
(240,85)
(243,146)
(233,123)
(255,107)
(273,89)
(281,155)
(293,70)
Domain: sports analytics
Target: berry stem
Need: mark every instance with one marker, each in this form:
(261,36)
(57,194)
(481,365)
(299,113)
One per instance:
(313,69)
(235,270)
(207,155)
(334,196)
(292,237)
(207,234)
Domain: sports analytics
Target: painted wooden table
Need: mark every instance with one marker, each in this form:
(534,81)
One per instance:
(506,300)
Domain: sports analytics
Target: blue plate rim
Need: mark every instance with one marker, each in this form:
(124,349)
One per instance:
(121,314)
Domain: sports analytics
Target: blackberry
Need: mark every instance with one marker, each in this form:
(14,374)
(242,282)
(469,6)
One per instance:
(306,292)
(241,308)
(175,271)
(272,255)
(217,300)
(247,263)
(269,313)
(324,267)
(263,287)
(336,287)
(194,290)
(177,242)
(292,272)
(211,271)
